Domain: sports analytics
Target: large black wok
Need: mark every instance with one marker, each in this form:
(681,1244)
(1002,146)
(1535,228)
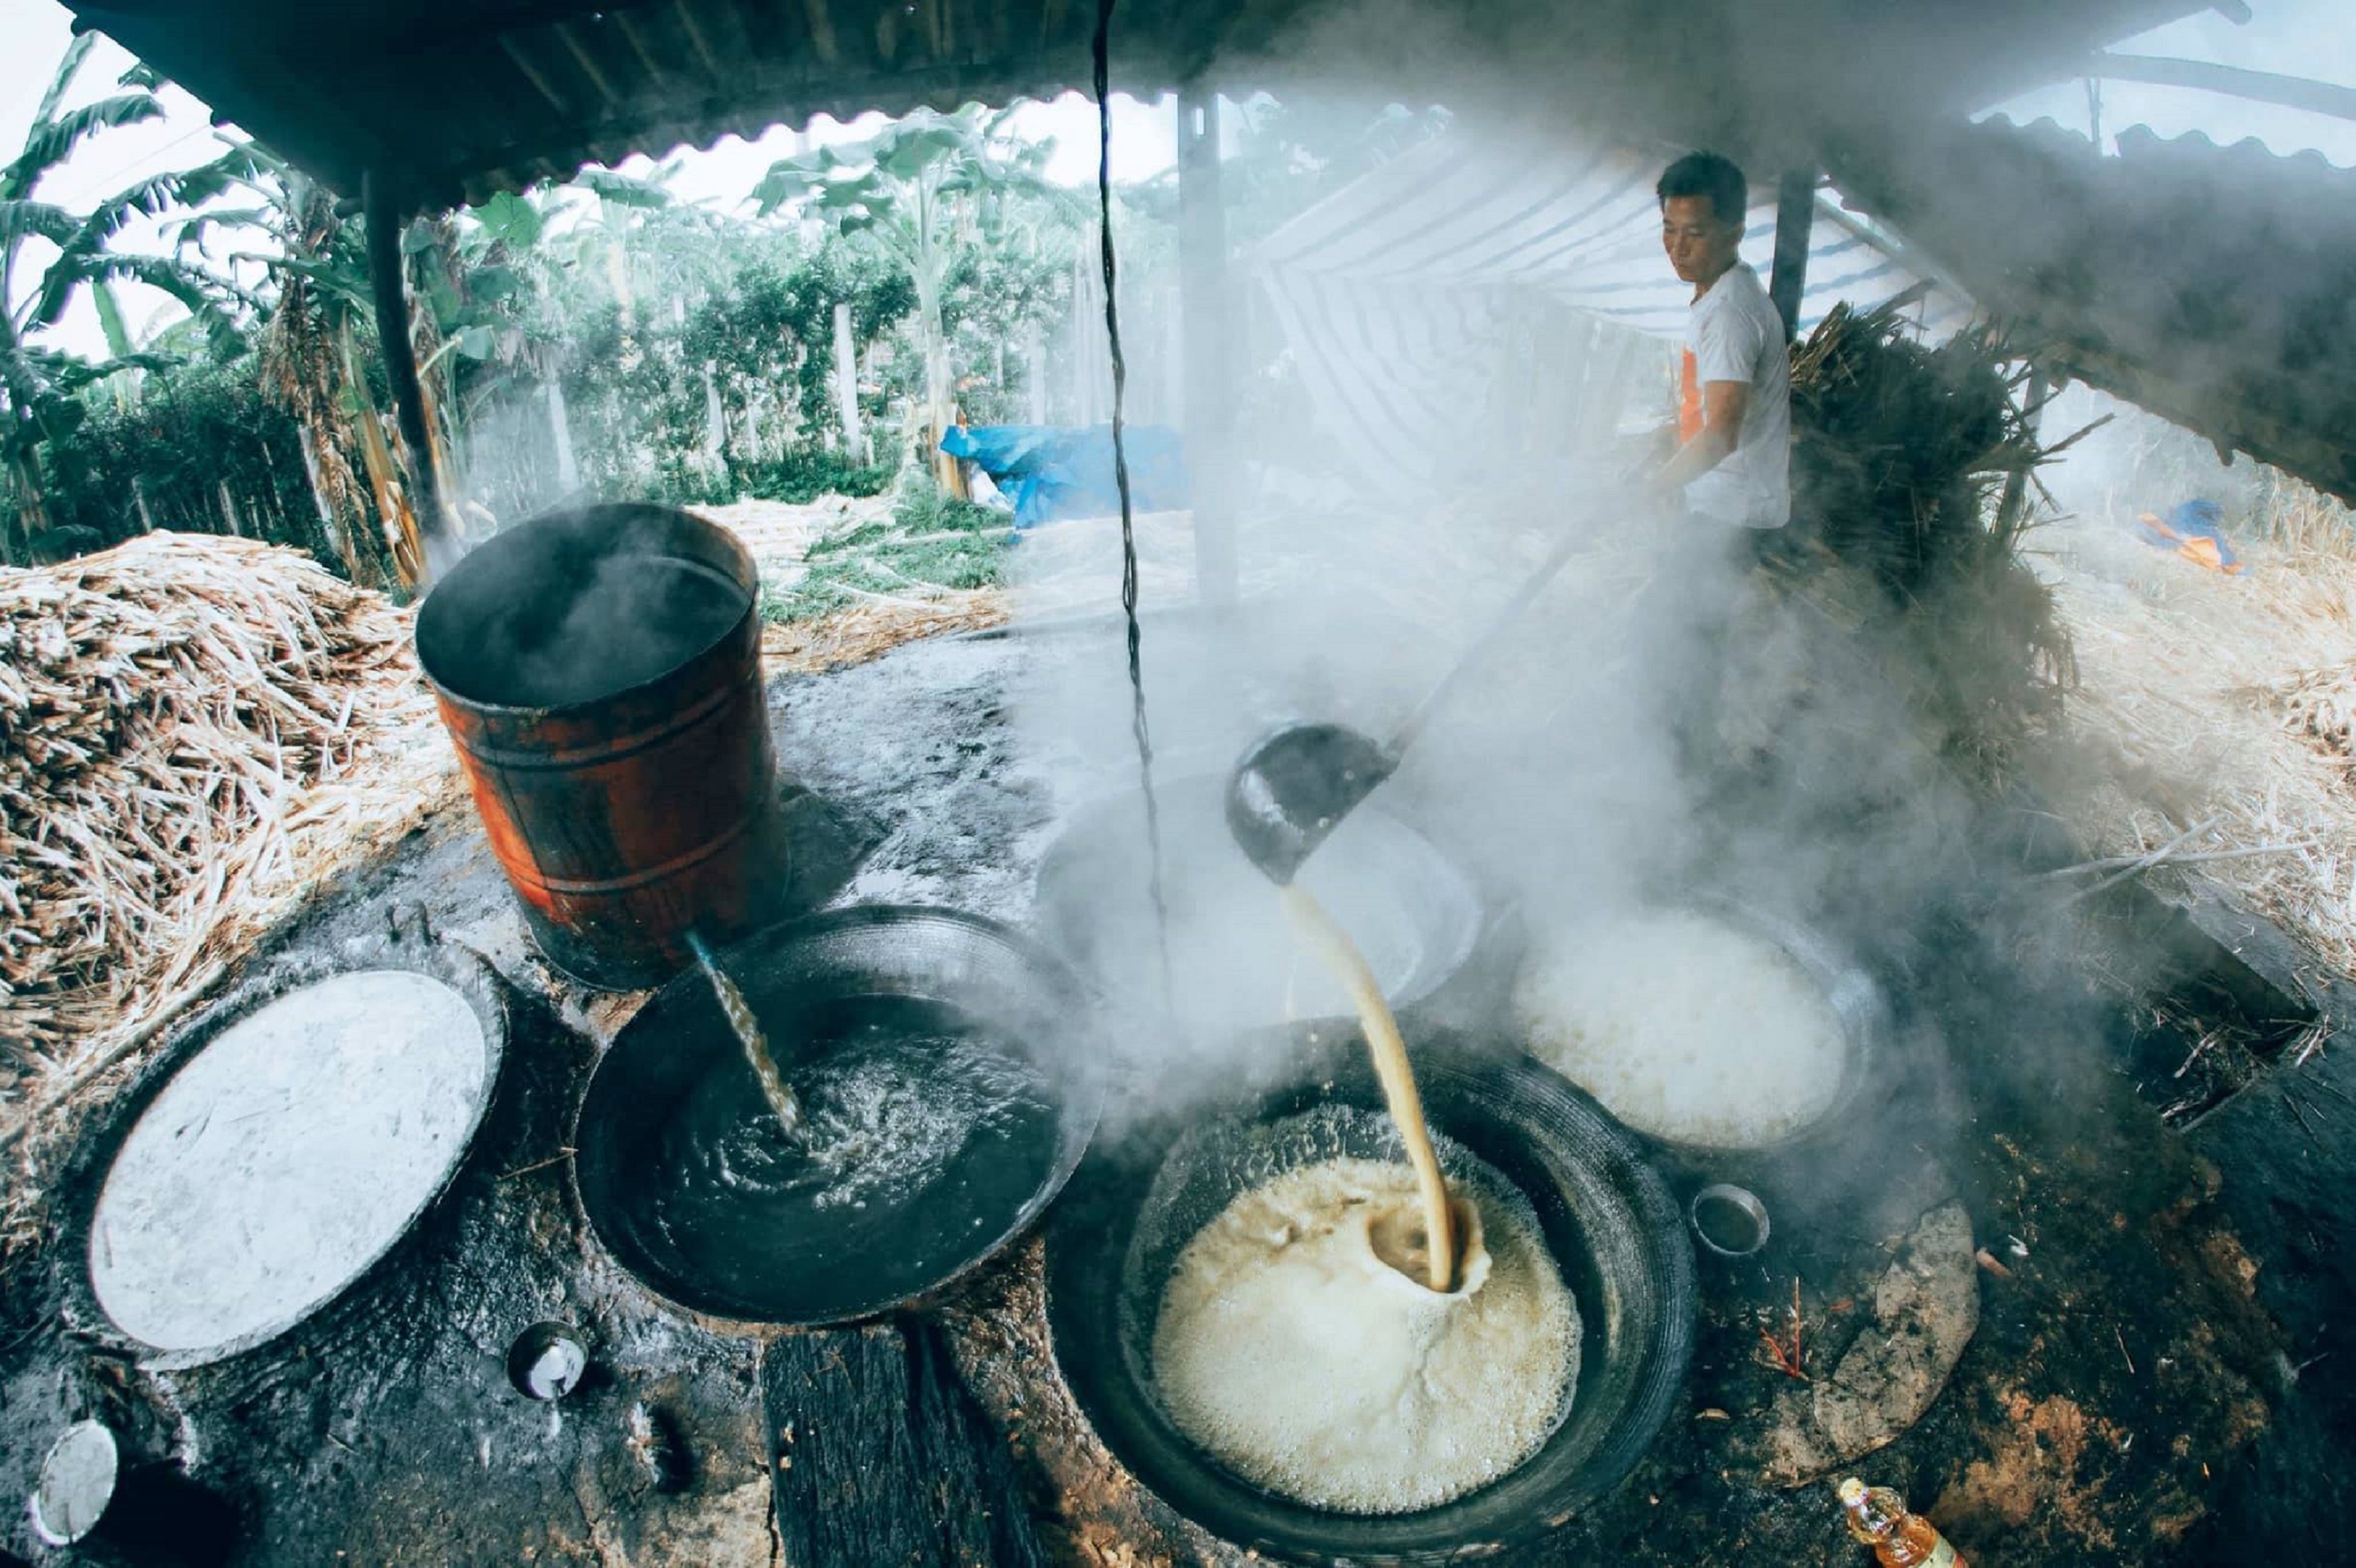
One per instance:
(707,1231)
(1608,1220)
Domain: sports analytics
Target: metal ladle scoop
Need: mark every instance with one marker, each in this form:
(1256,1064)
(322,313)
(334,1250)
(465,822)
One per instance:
(1294,786)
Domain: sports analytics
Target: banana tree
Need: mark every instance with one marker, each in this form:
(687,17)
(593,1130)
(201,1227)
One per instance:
(926,191)
(649,244)
(312,355)
(38,384)
(524,294)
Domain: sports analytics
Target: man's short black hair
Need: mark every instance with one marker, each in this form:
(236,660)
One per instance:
(1710,174)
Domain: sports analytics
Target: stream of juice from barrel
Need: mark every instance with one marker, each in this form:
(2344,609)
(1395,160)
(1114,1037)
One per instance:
(1388,1049)
(789,1109)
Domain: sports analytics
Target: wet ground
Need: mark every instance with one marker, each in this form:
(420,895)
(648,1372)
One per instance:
(2137,1390)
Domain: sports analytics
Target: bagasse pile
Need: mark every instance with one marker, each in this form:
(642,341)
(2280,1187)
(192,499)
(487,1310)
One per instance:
(192,730)
(1912,470)
(2321,703)
(2221,703)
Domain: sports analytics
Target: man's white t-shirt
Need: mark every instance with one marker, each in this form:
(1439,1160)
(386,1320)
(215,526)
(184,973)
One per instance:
(1735,335)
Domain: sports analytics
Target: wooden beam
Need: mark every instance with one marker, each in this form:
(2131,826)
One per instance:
(1207,319)
(879,1455)
(1796,218)
(382,204)
(2257,86)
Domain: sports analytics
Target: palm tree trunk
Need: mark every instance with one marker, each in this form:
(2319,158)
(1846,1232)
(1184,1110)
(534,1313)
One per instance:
(715,423)
(401,542)
(1034,370)
(32,506)
(938,393)
(846,384)
(329,524)
(124,384)
(560,425)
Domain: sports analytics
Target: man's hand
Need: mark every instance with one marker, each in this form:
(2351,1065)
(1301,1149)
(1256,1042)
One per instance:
(1723,404)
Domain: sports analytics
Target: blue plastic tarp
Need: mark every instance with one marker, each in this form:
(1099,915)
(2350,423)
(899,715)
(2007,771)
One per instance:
(1051,472)
(2194,530)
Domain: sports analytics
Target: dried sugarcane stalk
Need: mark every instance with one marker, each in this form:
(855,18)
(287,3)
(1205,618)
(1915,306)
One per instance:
(168,710)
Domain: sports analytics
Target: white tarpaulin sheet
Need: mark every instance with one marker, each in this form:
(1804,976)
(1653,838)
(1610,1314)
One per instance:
(1402,298)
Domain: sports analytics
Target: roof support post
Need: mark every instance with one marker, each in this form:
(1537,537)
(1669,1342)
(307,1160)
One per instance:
(1795,217)
(1207,316)
(380,206)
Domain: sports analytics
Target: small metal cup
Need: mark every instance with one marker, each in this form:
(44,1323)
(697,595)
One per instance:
(112,1506)
(547,1362)
(1730,1221)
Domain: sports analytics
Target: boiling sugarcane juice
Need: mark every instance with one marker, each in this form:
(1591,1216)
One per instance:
(1353,1335)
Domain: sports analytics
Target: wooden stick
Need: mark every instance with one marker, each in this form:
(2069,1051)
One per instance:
(2116,862)
(2143,864)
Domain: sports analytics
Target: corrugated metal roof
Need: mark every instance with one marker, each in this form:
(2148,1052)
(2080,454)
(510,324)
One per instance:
(464,99)
(458,100)
(2207,283)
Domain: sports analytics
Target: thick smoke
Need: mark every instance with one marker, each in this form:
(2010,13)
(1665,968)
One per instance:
(1659,729)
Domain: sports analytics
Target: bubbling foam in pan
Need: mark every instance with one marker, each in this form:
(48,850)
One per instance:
(1299,1360)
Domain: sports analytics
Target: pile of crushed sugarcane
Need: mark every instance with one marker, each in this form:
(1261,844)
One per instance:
(1912,469)
(2321,704)
(193,731)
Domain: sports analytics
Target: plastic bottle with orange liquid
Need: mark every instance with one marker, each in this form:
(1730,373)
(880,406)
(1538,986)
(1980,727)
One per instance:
(1877,1517)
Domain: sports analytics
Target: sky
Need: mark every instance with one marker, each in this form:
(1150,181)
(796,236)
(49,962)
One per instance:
(2301,37)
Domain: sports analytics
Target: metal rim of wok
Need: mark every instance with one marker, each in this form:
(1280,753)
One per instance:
(1855,998)
(849,953)
(411,947)
(1462,930)
(1608,1217)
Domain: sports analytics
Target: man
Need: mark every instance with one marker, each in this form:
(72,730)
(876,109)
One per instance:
(1735,415)
(1731,473)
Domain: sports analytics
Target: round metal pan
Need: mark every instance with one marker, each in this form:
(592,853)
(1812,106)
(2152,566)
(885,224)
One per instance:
(821,1256)
(1418,917)
(409,951)
(1856,999)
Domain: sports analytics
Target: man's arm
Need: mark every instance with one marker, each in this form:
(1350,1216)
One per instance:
(1722,407)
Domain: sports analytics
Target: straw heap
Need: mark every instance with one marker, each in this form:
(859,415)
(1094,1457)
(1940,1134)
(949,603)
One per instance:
(864,632)
(193,731)
(2321,703)
(2222,699)
(1911,467)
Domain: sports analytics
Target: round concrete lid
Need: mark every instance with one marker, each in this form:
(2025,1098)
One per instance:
(285,1157)
(77,1483)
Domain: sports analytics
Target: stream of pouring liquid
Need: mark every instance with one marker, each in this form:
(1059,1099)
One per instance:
(781,1099)
(1389,1052)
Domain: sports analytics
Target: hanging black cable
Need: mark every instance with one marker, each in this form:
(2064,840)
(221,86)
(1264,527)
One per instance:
(1120,482)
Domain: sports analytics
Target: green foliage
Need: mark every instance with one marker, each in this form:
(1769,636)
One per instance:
(930,192)
(674,352)
(931,540)
(39,386)
(802,478)
(200,429)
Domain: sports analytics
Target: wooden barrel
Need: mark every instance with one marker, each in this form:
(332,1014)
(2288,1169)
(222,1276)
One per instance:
(599,668)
